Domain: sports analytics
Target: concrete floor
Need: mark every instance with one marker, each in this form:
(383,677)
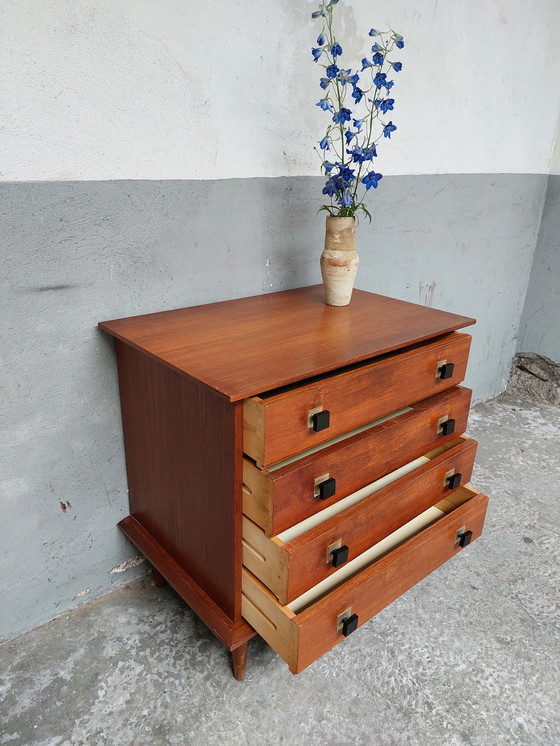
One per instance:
(469,656)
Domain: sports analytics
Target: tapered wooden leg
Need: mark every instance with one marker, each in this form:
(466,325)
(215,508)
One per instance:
(239,660)
(158,578)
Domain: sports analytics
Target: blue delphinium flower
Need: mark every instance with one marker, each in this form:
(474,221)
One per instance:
(349,136)
(332,71)
(342,116)
(386,105)
(388,129)
(376,48)
(324,144)
(358,124)
(374,32)
(319,13)
(372,180)
(346,174)
(336,50)
(399,41)
(389,84)
(345,76)
(378,58)
(330,188)
(325,105)
(357,94)
(360,155)
(346,198)
(324,82)
(321,39)
(365,64)
(379,80)
(316,52)
(328,166)
(397,66)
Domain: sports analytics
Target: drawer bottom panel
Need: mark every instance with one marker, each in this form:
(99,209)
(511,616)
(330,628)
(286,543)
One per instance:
(300,638)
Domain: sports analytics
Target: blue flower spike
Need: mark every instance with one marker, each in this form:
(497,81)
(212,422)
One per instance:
(352,139)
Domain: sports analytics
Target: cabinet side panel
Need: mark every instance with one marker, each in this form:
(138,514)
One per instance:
(184,471)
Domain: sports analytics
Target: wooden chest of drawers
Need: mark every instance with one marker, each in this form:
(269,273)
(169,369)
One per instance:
(293,467)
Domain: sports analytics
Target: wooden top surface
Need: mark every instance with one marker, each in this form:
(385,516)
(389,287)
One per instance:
(250,345)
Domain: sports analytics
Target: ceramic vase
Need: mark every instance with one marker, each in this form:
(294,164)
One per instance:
(339,260)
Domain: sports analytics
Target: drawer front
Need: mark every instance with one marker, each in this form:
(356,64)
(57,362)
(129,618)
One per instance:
(303,637)
(282,425)
(292,566)
(276,500)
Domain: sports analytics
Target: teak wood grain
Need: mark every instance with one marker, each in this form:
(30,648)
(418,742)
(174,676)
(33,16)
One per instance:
(250,345)
(278,499)
(276,426)
(302,638)
(183,461)
(291,568)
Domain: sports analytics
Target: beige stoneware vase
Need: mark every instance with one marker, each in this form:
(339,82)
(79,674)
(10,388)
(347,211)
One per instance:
(339,260)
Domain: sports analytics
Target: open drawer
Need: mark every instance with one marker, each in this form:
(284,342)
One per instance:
(281,423)
(297,559)
(320,619)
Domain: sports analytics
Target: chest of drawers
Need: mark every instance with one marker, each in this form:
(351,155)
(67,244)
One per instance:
(294,467)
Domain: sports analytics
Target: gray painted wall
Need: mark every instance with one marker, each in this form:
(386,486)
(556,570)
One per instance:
(540,322)
(79,252)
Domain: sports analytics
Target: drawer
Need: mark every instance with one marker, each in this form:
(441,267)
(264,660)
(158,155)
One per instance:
(308,553)
(287,493)
(285,422)
(303,633)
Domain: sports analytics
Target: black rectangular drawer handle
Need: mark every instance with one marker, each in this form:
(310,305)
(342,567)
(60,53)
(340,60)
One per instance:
(445,371)
(465,539)
(454,480)
(339,555)
(321,420)
(327,488)
(349,625)
(447,427)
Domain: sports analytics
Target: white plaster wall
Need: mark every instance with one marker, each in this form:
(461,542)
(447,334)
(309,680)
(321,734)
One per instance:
(117,89)
(555,157)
